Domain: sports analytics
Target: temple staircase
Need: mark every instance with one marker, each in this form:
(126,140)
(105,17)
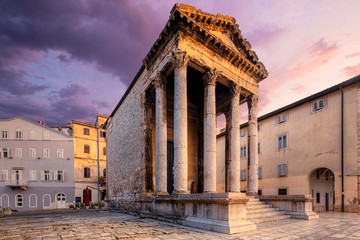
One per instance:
(258,212)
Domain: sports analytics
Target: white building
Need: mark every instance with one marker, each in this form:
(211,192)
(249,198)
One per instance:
(36,166)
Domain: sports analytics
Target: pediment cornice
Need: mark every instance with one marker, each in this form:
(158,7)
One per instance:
(198,24)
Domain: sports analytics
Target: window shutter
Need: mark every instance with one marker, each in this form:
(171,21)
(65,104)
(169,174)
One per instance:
(1,152)
(55,175)
(9,152)
(63,175)
(259,147)
(259,173)
(285,169)
(6,177)
(42,175)
(285,117)
(50,176)
(286,140)
(20,175)
(84,172)
(279,170)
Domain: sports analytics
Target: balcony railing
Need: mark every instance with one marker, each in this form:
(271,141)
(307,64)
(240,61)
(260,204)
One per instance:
(16,184)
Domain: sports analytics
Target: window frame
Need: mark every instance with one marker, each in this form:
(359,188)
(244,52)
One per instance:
(260,173)
(32,134)
(243,175)
(243,151)
(282,170)
(243,132)
(86,131)
(4,175)
(87,148)
(4,133)
(17,200)
(315,106)
(32,152)
(18,153)
(280,139)
(46,135)
(87,172)
(60,153)
(46,153)
(282,190)
(282,118)
(18,133)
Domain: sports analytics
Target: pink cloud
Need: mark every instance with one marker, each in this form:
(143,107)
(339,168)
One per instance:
(298,89)
(353,55)
(351,71)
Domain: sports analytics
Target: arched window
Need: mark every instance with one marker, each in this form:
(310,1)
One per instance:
(18,133)
(19,200)
(32,201)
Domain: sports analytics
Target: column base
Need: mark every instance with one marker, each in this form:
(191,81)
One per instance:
(181,192)
(161,193)
(209,191)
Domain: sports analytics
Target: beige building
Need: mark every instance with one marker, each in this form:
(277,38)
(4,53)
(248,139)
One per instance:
(309,147)
(90,159)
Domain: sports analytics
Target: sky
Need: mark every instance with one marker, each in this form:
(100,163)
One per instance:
(72,59)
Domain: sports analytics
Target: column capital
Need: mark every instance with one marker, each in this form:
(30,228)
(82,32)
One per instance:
(252,100)
(180,58)
(210,76)
(159,81)
(235,89)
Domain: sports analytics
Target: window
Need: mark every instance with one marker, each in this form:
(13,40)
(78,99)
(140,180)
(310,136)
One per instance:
(5,152)
(259,147)
(46,135)
(104,151)
(18,152)
(102,134)
(243,133)
(318,105)
(32,134)
(46,152)
(18,200)
(259,127)
(32,152)
(86,172)
(59,153)
(282,191)
(32,175)
(46,175)
(282,170)
(317,197)
(86,131)
(3,175)
(243,152)
(18,133)
(259,173)
(104,172)
(282,118)
(78,199)
(282,142)
(243,175)
(4,134)
(59,175)
(86,149)
(259,192)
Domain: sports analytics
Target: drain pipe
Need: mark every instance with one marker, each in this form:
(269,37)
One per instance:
(342,150)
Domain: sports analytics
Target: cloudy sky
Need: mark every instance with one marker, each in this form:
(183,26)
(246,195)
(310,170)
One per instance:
(64,60)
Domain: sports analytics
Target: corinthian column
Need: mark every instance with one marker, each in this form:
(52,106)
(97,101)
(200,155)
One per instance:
(180,61)
(210,131)
(161,136)
(234,160)
(253,146)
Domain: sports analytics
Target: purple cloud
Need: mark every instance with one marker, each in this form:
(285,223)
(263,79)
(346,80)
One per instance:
(263,35)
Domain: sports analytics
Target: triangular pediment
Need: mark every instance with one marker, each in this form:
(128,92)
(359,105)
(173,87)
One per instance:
(219,33)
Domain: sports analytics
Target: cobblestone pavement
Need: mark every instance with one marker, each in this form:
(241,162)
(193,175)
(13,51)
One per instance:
(112,225)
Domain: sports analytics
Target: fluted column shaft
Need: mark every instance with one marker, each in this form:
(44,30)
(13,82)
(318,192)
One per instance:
(253,184)
(160,136)
(210,131)
(234,165)
(180,123)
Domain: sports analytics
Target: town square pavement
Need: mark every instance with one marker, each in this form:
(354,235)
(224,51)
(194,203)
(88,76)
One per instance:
(112,225)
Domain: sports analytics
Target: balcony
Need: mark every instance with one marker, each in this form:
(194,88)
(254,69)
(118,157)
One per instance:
(16,184)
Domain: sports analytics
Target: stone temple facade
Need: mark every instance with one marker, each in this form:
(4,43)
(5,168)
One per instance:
(161,136)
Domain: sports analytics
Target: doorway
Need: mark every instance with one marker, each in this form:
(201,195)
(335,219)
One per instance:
(322,189)
(60,200)
(170,167)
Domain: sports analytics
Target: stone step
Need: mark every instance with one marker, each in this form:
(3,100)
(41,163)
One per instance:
(254,203)
(263,214)
(257,206)
(263,209)
(269,219)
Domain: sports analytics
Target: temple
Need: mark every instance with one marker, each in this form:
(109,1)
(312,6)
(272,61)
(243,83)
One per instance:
(161,137)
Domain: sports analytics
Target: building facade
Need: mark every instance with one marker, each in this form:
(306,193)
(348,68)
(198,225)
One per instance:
(36,166)
(90,159)
(308,147)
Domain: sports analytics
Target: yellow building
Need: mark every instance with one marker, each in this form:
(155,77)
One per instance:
(309,147)
(90,159)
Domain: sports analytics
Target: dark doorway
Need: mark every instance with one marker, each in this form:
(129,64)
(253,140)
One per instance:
(170,167)
(326,201)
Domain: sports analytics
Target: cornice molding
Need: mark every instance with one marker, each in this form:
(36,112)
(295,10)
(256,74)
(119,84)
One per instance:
(197,24)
